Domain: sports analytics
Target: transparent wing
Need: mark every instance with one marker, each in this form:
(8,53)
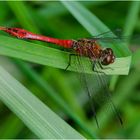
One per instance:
(114,36)
(116,32)
(84,80)
(104,96)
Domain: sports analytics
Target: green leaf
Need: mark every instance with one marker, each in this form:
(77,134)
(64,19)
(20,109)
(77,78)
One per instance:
(53,57)
(36,115)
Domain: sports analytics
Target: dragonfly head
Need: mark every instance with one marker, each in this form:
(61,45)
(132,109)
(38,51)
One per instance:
(107,56)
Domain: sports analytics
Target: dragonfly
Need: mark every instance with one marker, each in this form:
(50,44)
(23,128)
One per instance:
(84,47)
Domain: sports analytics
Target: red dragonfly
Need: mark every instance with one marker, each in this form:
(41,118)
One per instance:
(88,47)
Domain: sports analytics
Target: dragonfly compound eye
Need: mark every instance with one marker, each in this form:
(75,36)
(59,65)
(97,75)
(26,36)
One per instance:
(107,56)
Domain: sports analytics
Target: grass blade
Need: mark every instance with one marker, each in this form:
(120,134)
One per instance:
(48,56)
(37,116)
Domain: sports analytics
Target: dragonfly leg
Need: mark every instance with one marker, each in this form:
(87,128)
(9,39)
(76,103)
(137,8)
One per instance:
(103,68)
(69,62)
(94,69)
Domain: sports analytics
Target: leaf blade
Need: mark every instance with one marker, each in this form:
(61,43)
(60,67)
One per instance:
(37,116)
(49,56)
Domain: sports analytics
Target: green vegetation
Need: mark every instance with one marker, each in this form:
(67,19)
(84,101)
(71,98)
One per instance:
(37,88)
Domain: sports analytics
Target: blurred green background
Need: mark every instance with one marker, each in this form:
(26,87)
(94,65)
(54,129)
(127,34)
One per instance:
(61,90)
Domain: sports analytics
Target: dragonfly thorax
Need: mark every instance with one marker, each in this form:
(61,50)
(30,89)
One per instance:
(86,47)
